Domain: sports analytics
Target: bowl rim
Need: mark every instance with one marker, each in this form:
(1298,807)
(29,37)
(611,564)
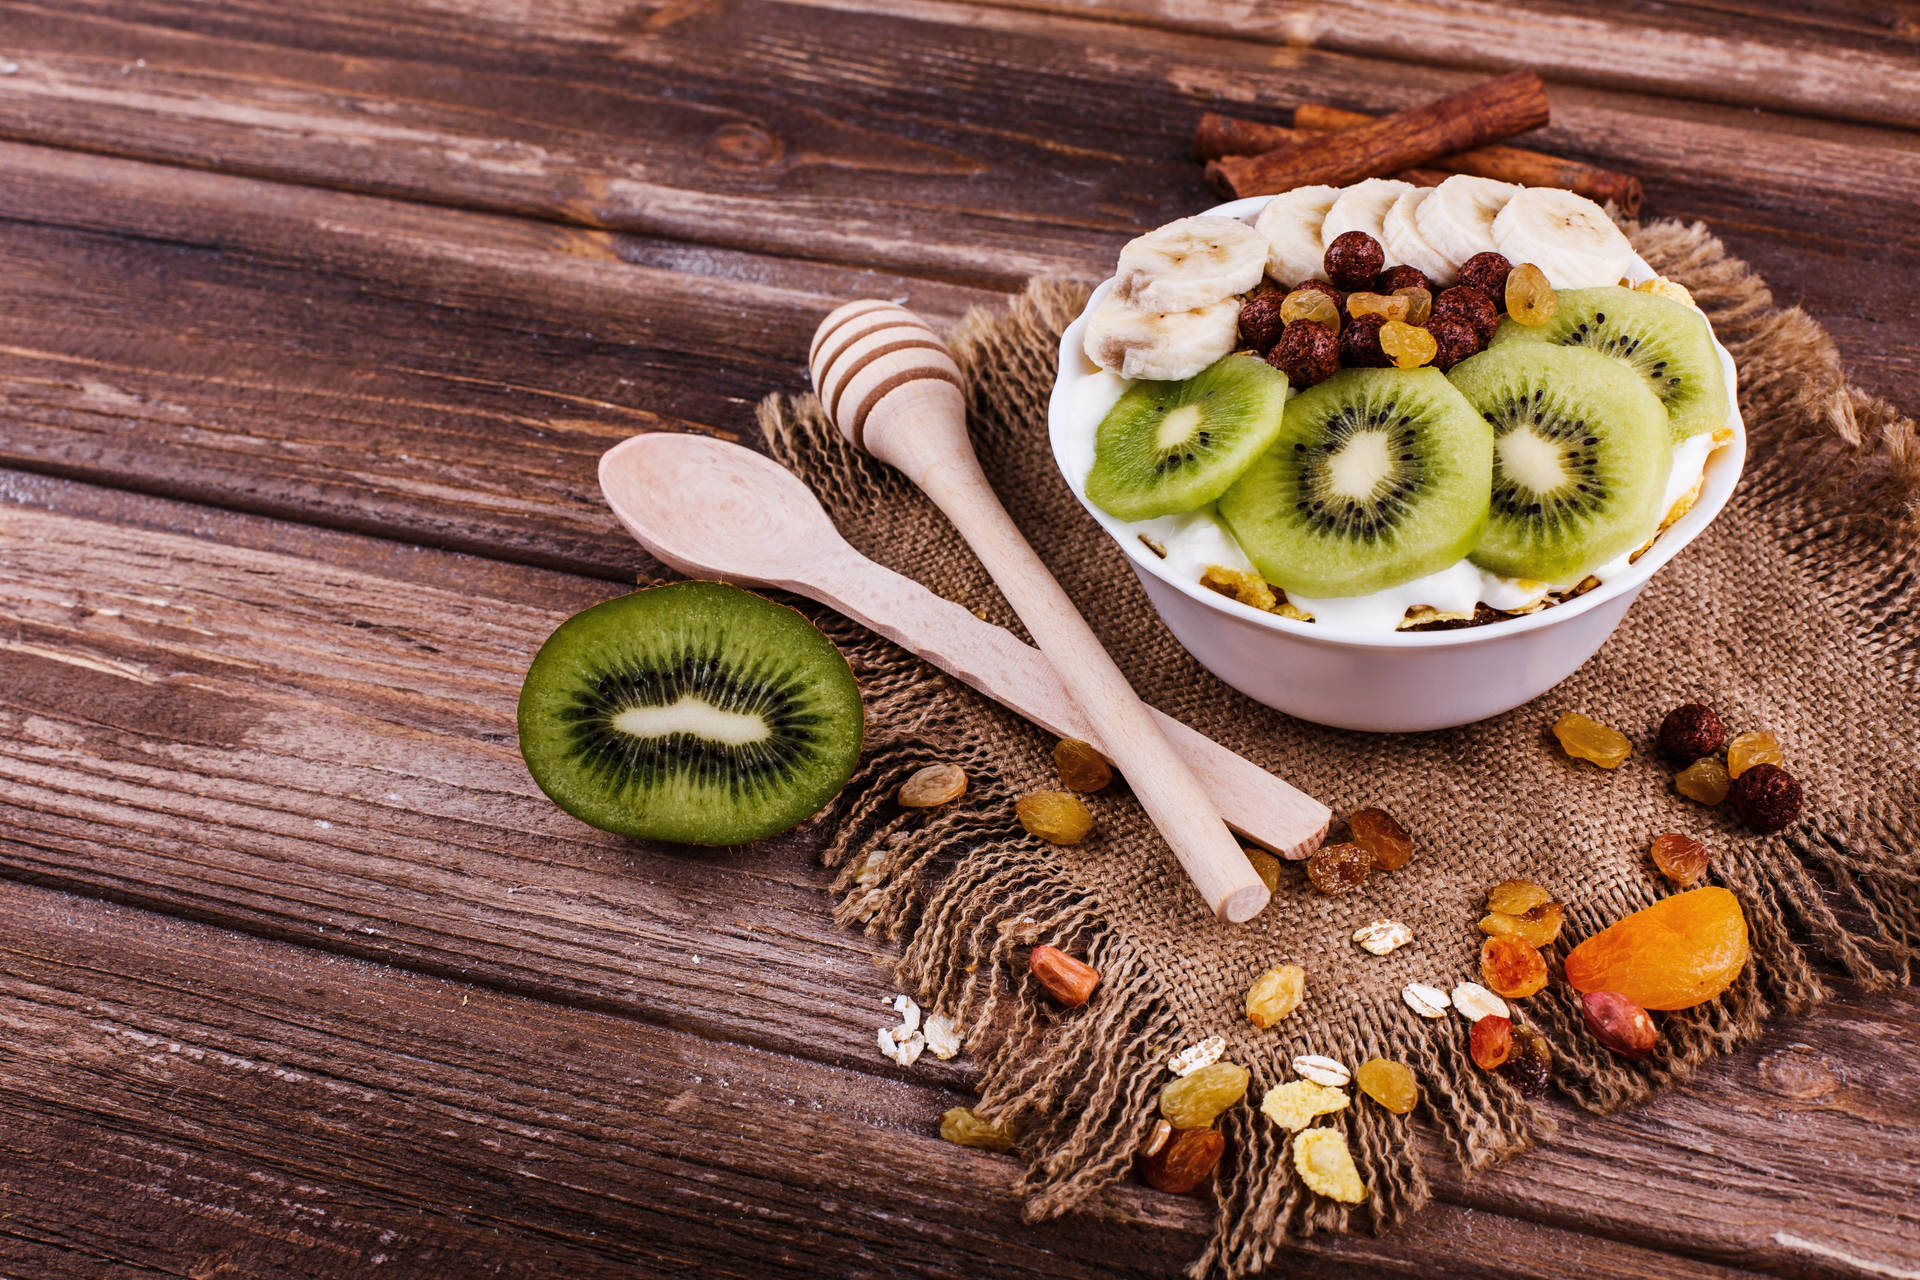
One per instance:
(1724,467)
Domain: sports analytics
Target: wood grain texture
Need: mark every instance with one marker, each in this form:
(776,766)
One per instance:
(258,725)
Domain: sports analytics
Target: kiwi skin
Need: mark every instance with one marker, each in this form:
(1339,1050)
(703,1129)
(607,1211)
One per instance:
(604,643)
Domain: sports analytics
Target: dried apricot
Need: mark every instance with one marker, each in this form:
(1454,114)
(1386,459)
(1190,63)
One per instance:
(1080,765)
(1586,739)
(1389,1083)
(1680,858)
(1705,781)
(1339,867)
(1680,952)
(1750,749)
(1375,831)
(1491,1042)
(1275,994)
(1192,1102)
(1512,966)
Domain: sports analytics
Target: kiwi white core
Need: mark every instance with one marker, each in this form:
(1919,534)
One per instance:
(1360,466)
(1529,461)
(1178,427)
(695,716)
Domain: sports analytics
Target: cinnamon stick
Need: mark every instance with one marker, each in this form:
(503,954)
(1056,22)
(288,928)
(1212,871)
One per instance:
(1508,164)
(1489,111)
(1220,135)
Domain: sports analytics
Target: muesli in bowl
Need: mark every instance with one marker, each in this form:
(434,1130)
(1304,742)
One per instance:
(1395,416)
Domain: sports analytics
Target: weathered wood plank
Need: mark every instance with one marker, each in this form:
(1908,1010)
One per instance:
(1850,64)
(979,144)
(283,1112)
(224,717)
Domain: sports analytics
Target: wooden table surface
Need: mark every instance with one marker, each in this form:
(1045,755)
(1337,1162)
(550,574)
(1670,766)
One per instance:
(316,319)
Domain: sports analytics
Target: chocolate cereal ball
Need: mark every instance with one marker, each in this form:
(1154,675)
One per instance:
(1454,340)
(1464,302)
(1354,259)
(1401,277)
(1486,272)
(1360,343)
(1260,323)
(1307,353)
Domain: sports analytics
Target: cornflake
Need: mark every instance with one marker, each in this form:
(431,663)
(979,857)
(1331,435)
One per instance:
(1326,1166)
(943,1038)
(1195,1056)
(1297,1103)
(1383,936)
(905,1043)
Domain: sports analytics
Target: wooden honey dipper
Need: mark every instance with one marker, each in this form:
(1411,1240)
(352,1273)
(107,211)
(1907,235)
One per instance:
(891,386)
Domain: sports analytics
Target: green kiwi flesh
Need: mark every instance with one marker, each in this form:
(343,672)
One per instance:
(1668,343)
(1580,459)
(1167,447)
(1377,477)
(695,712)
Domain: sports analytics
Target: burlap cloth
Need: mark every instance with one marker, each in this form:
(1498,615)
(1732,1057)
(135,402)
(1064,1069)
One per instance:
(1795,612)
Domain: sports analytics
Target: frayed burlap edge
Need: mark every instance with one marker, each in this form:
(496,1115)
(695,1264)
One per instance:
(1080,1086)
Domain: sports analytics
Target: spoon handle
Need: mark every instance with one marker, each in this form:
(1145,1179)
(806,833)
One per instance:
(1262,808)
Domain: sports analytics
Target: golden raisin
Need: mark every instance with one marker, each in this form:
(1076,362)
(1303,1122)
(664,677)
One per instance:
(937,784)
(1081,767)
(1530,299)
(961,1126)
(1408,346)
(1539,926)
(1375,831)
(1058,817)
(1183,1161)
(1389,1083)
(1321,1158)
(1680,952)
(1339,867)
(1275,994)
(1419,303)
(1311,305)
(1512,966)
(1680,858)
(1586,739)
(1194,1101)
(1491,1042)
(1516,897)
(1705,781)
(1267,867)
(1386,306)
(1298,1103)
(1750,749)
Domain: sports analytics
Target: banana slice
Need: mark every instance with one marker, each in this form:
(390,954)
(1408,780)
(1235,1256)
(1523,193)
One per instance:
(1363,207)
(1291,225)
(1567,236)
(1191,263)
(1162,345)
(1457,219)
(1404,243)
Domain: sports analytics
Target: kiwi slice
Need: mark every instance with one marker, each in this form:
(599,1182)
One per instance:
(1666,342)
(1378,476)
(1167,447)
(1580,458)
(695,712)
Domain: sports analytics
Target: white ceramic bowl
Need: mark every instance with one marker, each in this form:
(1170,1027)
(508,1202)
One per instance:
(1402,681)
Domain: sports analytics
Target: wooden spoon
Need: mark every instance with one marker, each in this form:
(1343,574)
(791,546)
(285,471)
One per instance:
(891,386)
(707,508)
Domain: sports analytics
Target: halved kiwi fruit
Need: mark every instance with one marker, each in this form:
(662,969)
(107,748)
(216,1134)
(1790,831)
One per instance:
(1666,342)
(1378,477)
(1580,458)
(694,712)
(1167,447)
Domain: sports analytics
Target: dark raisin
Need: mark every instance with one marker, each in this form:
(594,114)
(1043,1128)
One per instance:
(1486,272)
(1307,353)
(1354,259)
(1360,343)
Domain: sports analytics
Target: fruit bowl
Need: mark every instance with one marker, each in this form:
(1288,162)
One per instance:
(1396,681)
